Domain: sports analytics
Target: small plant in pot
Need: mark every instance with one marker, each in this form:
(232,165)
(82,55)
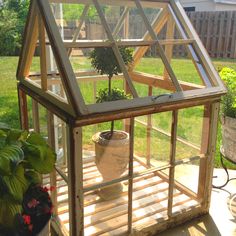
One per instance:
(228,110)
(111,146)
(25,205)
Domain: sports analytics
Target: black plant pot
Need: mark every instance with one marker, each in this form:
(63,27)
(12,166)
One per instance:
(40,214)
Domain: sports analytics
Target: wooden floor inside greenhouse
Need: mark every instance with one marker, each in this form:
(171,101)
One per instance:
(150,200)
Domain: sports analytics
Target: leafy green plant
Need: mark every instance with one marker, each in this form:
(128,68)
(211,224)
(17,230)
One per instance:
(105,62)
(228,75)
(12,21)
(24,156)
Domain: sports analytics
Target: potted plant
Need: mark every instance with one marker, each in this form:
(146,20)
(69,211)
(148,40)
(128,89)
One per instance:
(228,111)
(25,206)
(111,146)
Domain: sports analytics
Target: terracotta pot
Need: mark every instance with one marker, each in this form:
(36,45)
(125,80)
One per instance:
(112,157)
(229,138)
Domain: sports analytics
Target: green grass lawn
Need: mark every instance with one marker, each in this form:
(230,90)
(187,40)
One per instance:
(189,119)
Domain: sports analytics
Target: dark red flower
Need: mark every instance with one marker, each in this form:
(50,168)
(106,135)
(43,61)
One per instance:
(26,219)
(33,203)
(52,188)
(45,189)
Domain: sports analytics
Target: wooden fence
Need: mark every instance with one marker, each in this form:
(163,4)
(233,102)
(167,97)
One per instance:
(217,31)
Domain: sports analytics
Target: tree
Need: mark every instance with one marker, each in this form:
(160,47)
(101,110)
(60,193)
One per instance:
(13,15)
(105,62)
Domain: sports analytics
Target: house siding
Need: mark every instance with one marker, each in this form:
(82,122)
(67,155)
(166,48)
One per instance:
(208,5)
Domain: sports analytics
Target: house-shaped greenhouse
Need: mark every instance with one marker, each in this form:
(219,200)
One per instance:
(170,118)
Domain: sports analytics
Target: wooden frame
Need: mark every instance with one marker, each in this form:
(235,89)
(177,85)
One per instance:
(76,199)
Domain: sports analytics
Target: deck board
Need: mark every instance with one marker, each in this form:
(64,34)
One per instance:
(150,198)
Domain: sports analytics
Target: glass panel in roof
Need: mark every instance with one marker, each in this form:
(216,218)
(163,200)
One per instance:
(51,81)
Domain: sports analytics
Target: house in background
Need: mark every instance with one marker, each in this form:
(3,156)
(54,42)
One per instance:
(209,5)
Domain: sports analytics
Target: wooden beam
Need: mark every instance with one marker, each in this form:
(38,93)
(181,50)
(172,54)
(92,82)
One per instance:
(129,3)
(84,79)
(30,37)
(211,154)
(22,102)
(35,116)
(43,59)
(208,146)
(149,131)
(50,96)
(159,82)
(106,111)
(44,101)
(157,25)
(131,173)
(123,42)
(71,88)
(179,139)
(178,186)
(116,50)
(174,127)
(56,74)
(72,197)
(77,162)
(53,175)
(159,48)
(62,174)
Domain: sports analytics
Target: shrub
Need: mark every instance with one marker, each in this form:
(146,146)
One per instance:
(12,21)
(228,75)
(9,37)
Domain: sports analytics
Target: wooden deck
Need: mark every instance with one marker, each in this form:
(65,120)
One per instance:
(150,202)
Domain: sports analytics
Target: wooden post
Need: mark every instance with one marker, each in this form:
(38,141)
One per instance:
(208,146)
(22,101)
(79,197)
(43,59)
(149,129)
(51,142)
(130,190)
(71,179)
(29,43)
(35,116)
(64,138)
(172,161)
(75,178)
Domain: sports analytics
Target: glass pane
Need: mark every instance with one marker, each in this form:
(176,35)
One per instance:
(152,140)
(189,132)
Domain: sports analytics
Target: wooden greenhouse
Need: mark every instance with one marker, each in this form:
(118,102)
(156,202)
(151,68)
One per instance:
(170,118)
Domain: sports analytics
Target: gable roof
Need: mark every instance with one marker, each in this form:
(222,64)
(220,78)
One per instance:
(75,106)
